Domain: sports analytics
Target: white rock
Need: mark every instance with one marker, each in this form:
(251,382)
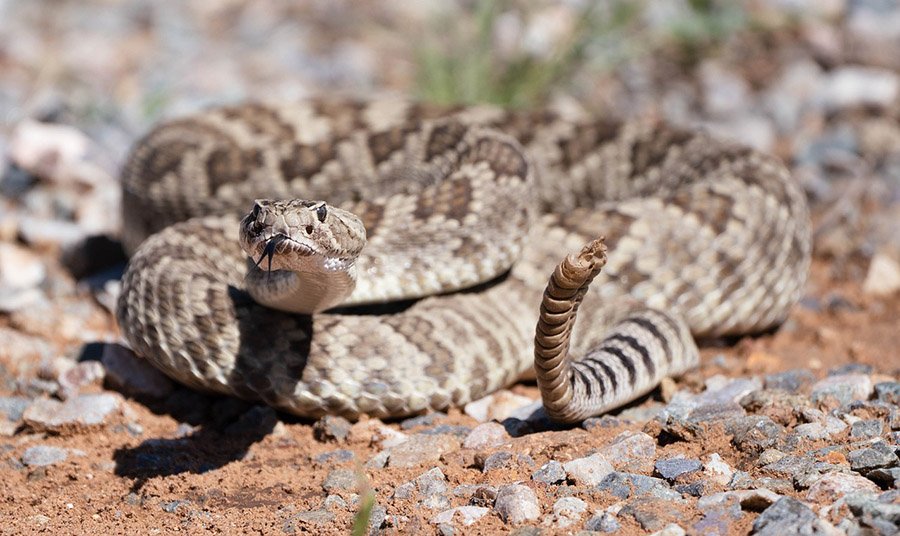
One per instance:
(671,529)
(717,470)
(832,486)
(19,268)
(466,515)
(488,434)
(631,452)
(883,277)
(860,86)
(566,512)
(858,385)
(46,150)
(517,504)
(588,471)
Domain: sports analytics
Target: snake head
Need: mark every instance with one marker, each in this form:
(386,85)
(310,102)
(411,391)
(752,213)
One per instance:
(301,235)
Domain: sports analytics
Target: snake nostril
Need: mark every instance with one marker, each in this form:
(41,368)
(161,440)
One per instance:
(309,229)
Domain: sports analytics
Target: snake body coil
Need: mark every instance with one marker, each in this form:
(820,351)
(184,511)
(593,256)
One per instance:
(704,238)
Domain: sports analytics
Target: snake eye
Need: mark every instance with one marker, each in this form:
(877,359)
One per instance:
(321,212)
(309,229)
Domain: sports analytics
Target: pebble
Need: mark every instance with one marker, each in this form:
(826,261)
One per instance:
(551,472)
(631,452)
(883,277)
(432,486)
(882,512)
(588,471)
(830,487)
(627,485)
(717,470)
(21,272)
(812,431)
(81,375)
(335,456)
(789,516)
(486,435)
(75,413)
(375,432)
(845,388)
(886,478)
(674,468)
(604,522)
(517,504)
(754,433)
(566,512)
(648,514)
(877,456)
(133,375)
(12,407)
(672,529)
(340,479)
(866,428)
(496,406)
(854,86)
(331,428)
(41,455)
(420,449)
(791,381)
(888,392)
(465,515)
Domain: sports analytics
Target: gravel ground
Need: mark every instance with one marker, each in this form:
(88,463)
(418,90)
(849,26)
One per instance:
(796,431)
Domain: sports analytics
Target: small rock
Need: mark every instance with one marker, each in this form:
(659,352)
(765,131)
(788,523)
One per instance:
(627,485)
(631,452)
(854,86)
(20,273)
(883,278)
(812,431)
(866,429)
(466,515)
(496,406)
(420,449)
(404,491)
(791,381)
(551,472)
(717,470)
(133,375)
(888,392)
(421,420)
(604,522)
(486,435)
(672,529)
(566,512)
(673,468)
(432,486)
(769,456)
(886,478)
(82,411)
(340,479)
(496,460)
(42,455)
(375,432)
(331,428)
(844,388)
(336,456)
(832,486)
(334,502)
(517,504)
(789,516)
(307,517)
(877,456)
(588,471)
(12,407)
(648,514)
(81,375)
(754,433)
(172,506)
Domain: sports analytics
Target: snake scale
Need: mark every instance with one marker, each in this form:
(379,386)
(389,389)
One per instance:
(468,212)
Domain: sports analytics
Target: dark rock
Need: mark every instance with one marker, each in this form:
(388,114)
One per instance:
(497,460)
(331,428)
(626,485)
(694,489)
(878,456)
(133,375)
(786,516)
(888,392)
(886,478)
(457,430)
(791,381)
(867,428)
(718,521)
(672,468)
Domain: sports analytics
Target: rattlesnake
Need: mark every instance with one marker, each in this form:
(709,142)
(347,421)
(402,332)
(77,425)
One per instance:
(477,206)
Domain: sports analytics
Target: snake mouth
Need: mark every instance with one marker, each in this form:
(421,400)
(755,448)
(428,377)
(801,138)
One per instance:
(281,244)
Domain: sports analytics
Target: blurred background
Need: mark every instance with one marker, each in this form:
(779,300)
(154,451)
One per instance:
(813,81)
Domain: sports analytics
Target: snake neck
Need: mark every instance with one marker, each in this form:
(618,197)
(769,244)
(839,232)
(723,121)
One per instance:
(300,291)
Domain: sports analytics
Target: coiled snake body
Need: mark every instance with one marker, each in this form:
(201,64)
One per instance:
(468,212)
